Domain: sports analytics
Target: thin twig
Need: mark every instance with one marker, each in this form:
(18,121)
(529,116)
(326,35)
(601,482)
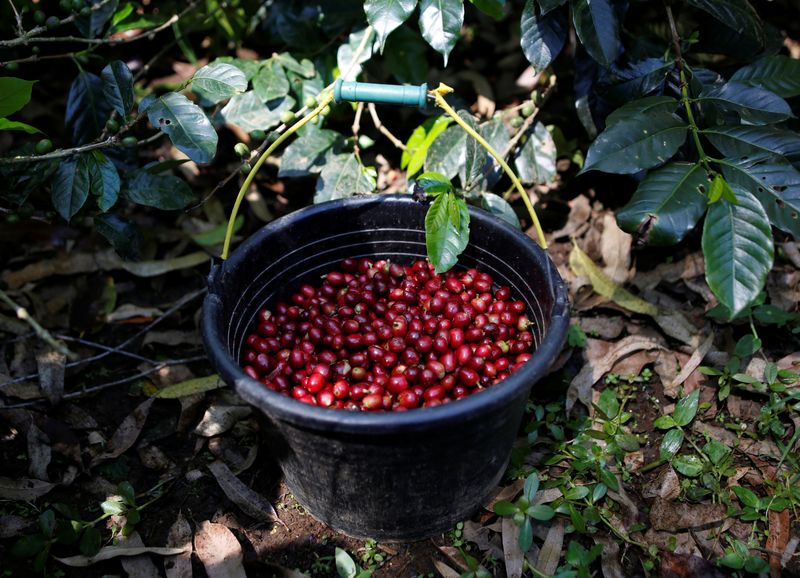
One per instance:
(102,347)
(356,126)
(18,17)
(30,35)
(384,131)
(112,141)
(43,333)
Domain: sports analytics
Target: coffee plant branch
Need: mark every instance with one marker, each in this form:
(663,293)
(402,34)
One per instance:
(18,17)
(355,128)
(112,141)
(383,130)
(30,37)
(23,315)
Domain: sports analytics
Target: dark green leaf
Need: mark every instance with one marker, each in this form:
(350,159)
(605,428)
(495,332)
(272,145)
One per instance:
(67,531)
(118,87)
(405,56)
(637,143)
(434,183)
(91,541)
(447,153)
(306,155)
(14,94)
(686,408)
(746,497)
(304,68)
(637,79)
(576,493)
(756,565)
(165,192)
(525,535)
(536,160)
(543,36)
(597,28)
(664,422)
(123,235)
(576,518)
(344,55)
(775,183)
(47,523)
(599,492)
(504,508)
(104,180)
(440,23)
(628,442)
(732,560)
(475,155)
(386,15)
(690,466)
(531,486)
(92,24)
(248,112)
(738,15)
(87,108)
(185,124)
(219,81)
(28,546)
(128,494)
(671,443)
(608,403)
(667,204)
(345,566)
(271,83)
(609,479)
(70,187)
(548,5)
(499,207)
(493,8)
(446,231)
(416,151)
(755,105)
(742,140)
(779,74)
(716,451)
(6,124)
(342,176)
(738,250)
(642,106)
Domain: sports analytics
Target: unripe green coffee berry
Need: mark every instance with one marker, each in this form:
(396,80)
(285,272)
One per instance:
(245,168)
(130,141)
(85,11)
(36,50)
(315,120)
(12,218)
(326,111)
(272,137)
(287,117)
(527,110)
(258,135)
(77,5)
(11,66)
(112,125)
(65,5)
(44,146)
(534,95)
(311,101)
(516,122)
(52,21)
(241,149)
(39,17)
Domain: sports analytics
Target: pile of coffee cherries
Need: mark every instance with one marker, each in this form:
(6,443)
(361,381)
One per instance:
(380,336)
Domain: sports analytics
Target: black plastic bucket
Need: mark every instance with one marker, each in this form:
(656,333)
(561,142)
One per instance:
(388,476)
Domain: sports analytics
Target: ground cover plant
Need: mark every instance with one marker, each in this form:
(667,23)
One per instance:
(658,145)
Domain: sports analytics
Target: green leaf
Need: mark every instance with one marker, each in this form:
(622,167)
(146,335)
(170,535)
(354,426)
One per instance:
(525,535)
(576,493)
(166,192)
(746,497)
(118,87)
(219,81)
(499,207)
(637,143)
(125,489)
(720,189)
(475,156)
(690,466)
(342,176)
(249,67)
(47,523)
(446,231)
(248,112)
(756,565)
(345,566)
(775,183)
(304,68)
(185,124)
(628,442)
(608,403)
(6,124)
(420,141)
(738,15)
(664,422)
(91,541)
(597,28)
(542,36)
(576,518)
(599,492)
(779,74)
(386,15)
(531,486)
(738,250)
(732,560)
(742,140)
(686,408)
(755,105)
(667,204)
(440,23)
(548,5)
(434,183)
(271,83)
(87,108)
(346,52)
(113,507)
(671,443)
(103,179)
(716,451)
(406,56)
(123,235)
(14,94)
(447,153)
(93,23)
(505,508)
(493,8)
(70,187)
(306,155)
(28,546)
(536,160)
(643,106)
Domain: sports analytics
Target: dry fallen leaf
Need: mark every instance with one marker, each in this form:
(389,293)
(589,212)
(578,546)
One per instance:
(126,434)
(220,418)
(684,566)
(512,553)
(39,453)
(609,557)
(219,551)
(550,553)
(779,530)
(444,570)
(12,526)
(23,489)
(673,516)
(180,536)
(140,566)
(191,387)
(109,552)
(250,502)
(666,486)
(50,365)
(615,247)
(508,493)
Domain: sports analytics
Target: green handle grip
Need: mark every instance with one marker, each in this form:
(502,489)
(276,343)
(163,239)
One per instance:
(380,93)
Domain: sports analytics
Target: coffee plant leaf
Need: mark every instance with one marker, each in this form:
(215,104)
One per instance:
(304,68)
(636,143)
(271,82)
(306,155)
(440,23)
(6,124)
(671,443)
(499,207)
(70,187)
(344,55)
(218,82)
(668,203)
(248,112)
(434,183)
(446,230)
(778,74)
(104,181)
(493,8)
(690,465)
(547,5)
(416,151)
(118,87)
(185,124)
(536,160)
(123,235)
(744,140)
(166,192)
(249,67)
(775,183)
(14,94)
(87,108)
(342,176)
(405,56)
(686,408)
(92,24)
(738,250)
(543,35)
(598,29)
(447,153)
(637,79)
(475,156)
(643,106)
(738,15)
(386,15)
(754,105)
(19,180)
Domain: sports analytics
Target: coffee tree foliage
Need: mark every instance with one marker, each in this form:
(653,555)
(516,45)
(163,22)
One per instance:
(693,98)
